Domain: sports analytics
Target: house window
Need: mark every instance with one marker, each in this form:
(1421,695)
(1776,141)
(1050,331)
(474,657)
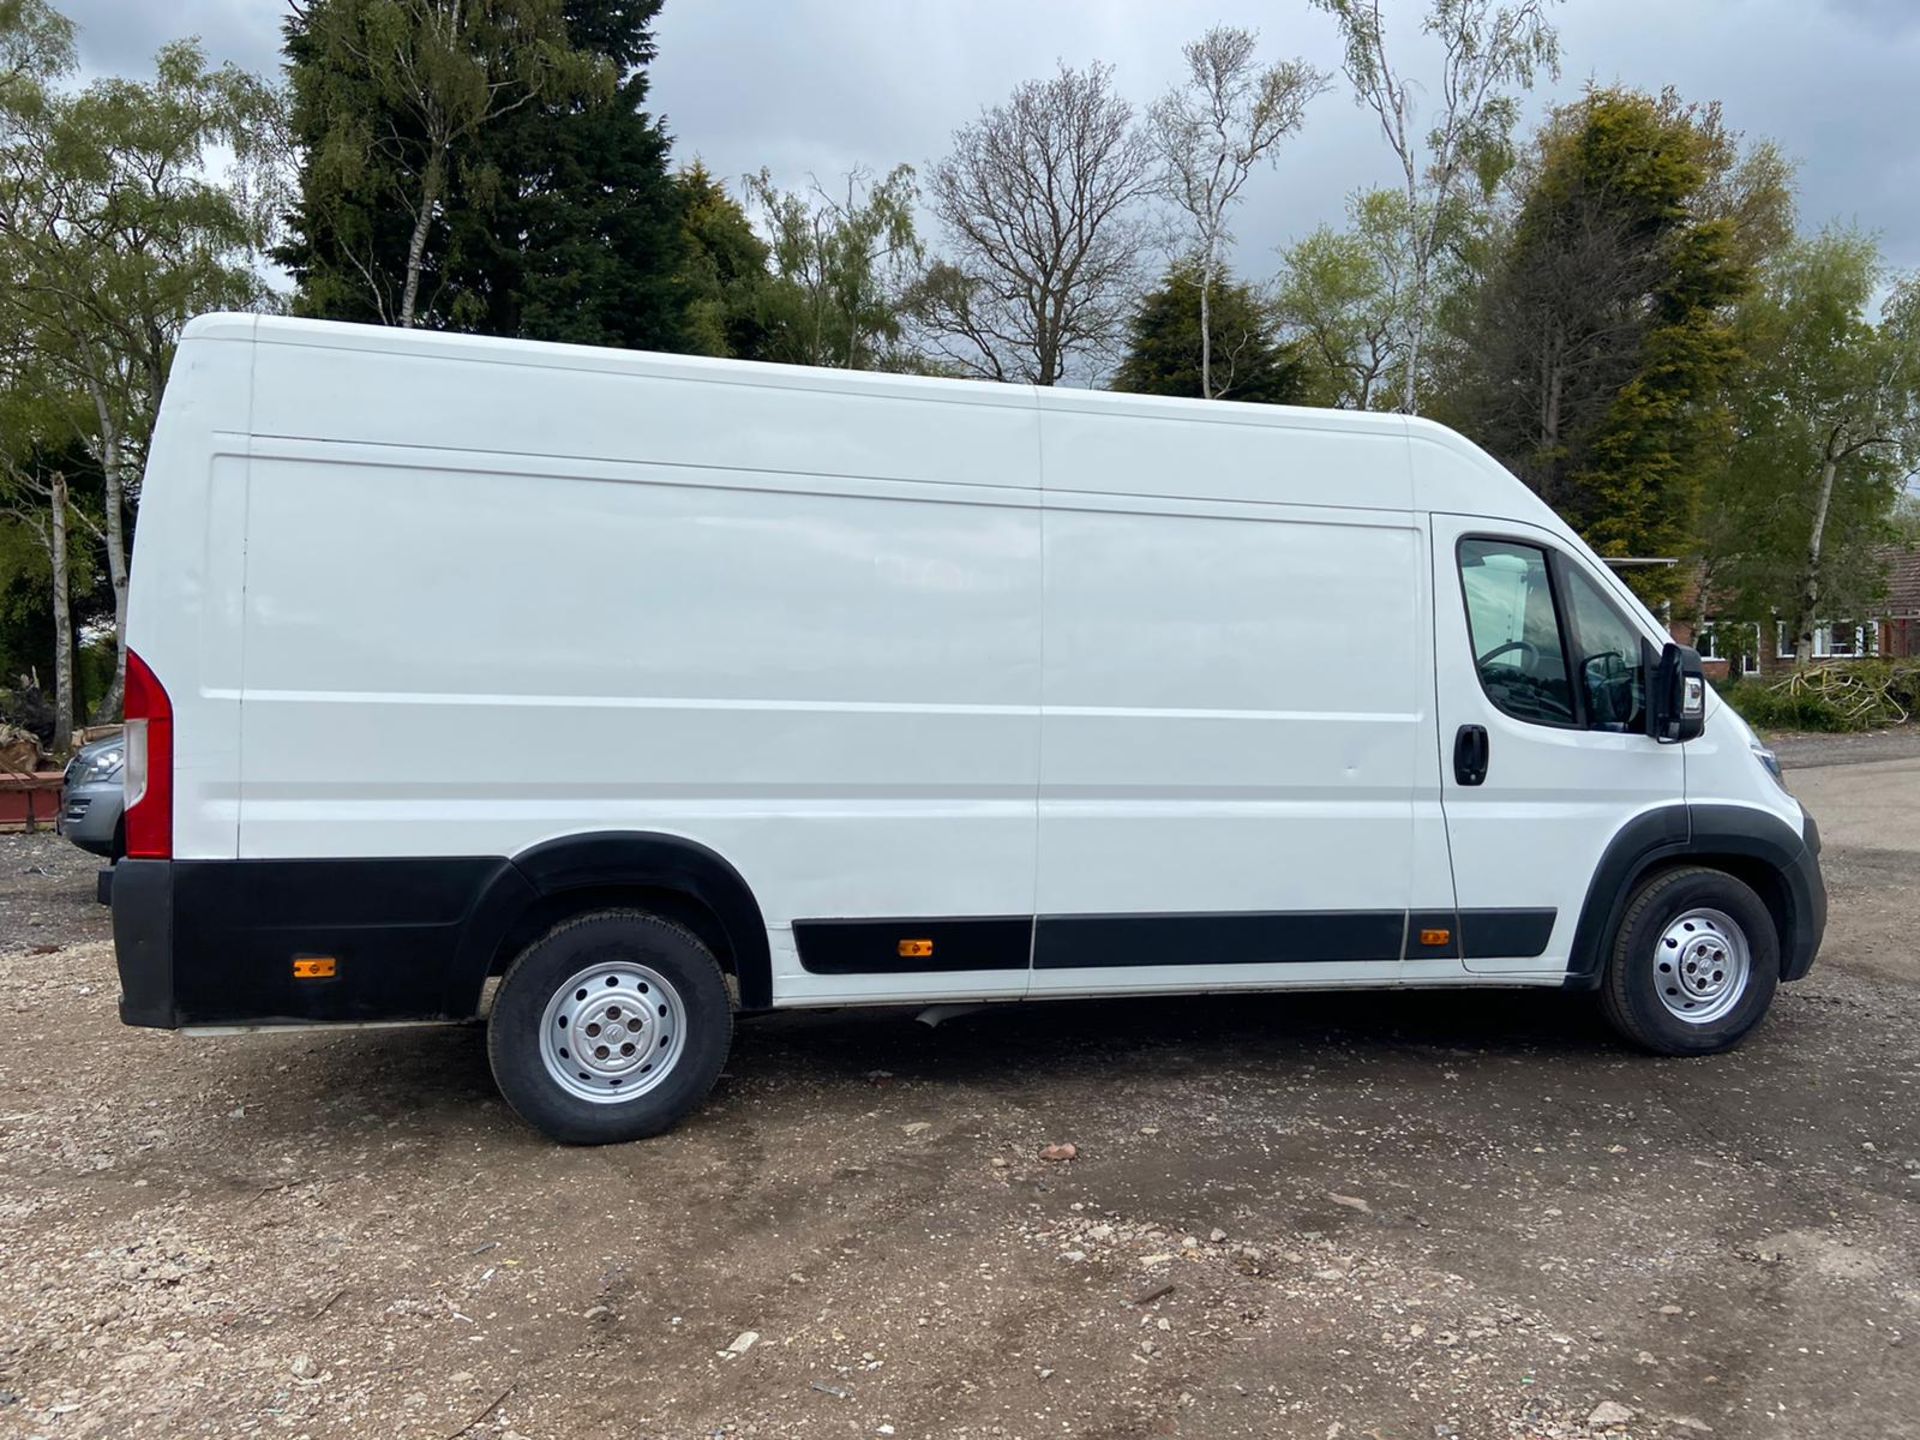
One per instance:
(1729,642)
(1836,640)
(1847,641)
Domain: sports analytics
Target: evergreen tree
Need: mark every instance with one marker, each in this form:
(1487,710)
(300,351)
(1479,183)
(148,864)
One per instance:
(573,227)
(723,270)
(1164,353)
(500,176)
(1603,336)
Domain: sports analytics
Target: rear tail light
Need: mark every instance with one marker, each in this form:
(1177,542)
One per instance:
(149,772)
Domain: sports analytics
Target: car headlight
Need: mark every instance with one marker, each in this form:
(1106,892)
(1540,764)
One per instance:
(1769,762)
(92,768)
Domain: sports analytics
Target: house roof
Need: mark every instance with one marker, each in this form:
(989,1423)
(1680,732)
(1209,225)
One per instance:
(1903,583)
(1901,602)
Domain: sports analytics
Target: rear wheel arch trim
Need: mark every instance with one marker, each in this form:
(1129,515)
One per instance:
(608,860)
(1671,835)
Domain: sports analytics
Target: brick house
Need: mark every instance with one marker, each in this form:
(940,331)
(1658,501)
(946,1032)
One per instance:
(1891,629)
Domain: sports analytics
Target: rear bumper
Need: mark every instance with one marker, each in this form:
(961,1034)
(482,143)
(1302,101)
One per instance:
(213,942)
(142,898)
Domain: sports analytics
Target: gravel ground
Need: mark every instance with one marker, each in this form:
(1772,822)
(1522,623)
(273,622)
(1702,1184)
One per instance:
(1802,750)
(1359,1215)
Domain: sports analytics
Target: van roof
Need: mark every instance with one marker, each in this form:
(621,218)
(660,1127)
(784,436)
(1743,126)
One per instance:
(1492,490)
(387,339)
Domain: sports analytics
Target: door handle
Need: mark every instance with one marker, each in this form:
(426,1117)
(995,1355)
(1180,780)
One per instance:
(1470,753)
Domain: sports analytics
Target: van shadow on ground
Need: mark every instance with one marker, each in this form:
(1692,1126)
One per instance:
(430,1078)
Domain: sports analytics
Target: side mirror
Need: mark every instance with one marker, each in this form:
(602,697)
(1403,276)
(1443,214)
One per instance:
(1676,693)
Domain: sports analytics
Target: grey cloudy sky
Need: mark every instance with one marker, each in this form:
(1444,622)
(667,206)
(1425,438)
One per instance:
(820,86)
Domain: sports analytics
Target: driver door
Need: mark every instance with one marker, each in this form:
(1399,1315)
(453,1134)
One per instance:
(1544,754)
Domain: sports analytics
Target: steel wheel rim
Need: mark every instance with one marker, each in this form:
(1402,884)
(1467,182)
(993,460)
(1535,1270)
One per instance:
(1701,966)
(612,1032)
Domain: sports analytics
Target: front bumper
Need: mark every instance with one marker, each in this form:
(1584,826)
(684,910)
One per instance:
(1807,894)
(90,815)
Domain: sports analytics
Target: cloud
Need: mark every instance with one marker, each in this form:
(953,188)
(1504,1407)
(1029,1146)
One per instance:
(822,86)
(120,37)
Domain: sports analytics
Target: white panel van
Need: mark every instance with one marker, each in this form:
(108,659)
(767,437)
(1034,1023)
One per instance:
(658,688)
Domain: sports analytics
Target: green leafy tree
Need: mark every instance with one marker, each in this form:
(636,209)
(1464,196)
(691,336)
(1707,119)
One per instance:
(723,270)
(1827,421)
(841,267)
(1488,50)
(1346,296)
(392,100)
(1602,338)
(1165,354)
(114,231)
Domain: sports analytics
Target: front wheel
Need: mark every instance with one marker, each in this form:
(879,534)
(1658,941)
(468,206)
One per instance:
(1694,964)
(612,1026)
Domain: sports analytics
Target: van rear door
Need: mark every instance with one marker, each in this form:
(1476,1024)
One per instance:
(1545,752)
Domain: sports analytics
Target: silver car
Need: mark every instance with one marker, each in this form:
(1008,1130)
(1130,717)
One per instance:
(91,800)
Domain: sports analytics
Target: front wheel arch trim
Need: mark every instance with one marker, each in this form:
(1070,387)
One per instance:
(1750,844)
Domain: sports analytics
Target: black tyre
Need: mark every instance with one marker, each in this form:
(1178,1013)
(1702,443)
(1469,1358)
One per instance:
(610,1027)
(1694,963)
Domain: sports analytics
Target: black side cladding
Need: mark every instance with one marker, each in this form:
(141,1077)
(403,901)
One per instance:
(1071,942)
(212,942)
(1129,941)
(1502,934)
(872,947)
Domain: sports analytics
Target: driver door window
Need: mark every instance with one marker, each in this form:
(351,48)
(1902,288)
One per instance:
(1612,684)
(1550,645)
(1516,630)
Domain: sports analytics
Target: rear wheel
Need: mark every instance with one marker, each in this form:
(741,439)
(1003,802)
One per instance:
(611,1027)
(1694,963)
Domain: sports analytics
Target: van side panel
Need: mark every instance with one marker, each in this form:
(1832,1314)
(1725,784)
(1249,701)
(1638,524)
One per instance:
(833,682)
(1238,701)
(188,573)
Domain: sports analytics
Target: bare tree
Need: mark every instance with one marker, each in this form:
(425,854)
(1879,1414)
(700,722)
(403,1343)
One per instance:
(1039,202)
(1489,47)
(1210,132)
